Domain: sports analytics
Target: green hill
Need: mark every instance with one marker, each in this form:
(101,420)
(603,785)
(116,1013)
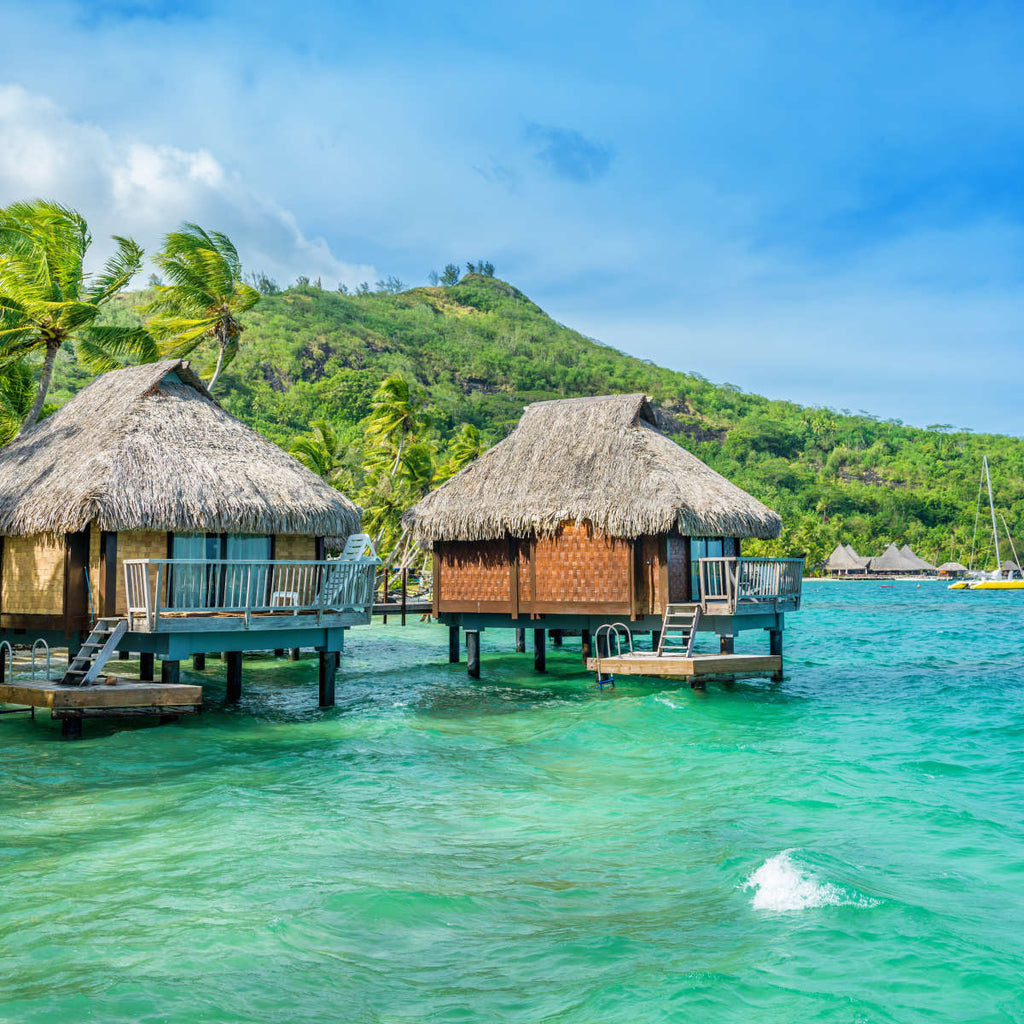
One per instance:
(480,350)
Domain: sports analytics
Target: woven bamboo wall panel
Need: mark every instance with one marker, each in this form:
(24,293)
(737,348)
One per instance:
(33,575)
(476,571)
(137,544)
(581,565)
(292,547)
(525,583)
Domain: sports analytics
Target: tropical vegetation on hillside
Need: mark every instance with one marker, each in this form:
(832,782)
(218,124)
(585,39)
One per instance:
(387,392)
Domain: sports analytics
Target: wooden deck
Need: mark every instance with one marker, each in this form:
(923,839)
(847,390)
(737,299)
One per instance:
(126,696)
(646,663)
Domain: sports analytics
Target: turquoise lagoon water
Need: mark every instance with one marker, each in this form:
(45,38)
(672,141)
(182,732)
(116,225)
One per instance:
(847,845)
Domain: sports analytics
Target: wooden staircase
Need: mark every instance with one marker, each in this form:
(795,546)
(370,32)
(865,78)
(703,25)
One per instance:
(101,643)
(678,629)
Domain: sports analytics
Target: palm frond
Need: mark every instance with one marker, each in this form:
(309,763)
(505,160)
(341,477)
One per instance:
(117,271)
(107,348)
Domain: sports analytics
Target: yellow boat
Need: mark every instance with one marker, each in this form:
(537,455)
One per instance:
(987,585)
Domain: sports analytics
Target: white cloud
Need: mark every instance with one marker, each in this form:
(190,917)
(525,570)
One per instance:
(131,186)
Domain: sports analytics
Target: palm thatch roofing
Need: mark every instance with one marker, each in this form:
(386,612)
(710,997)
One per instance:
(844,559)
(148,448)
(861,559)
(953,567)
(908,553)
(1009,565)
(892,560)
(595,460)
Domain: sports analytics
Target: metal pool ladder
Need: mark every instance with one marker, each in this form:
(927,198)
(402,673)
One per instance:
(619,631)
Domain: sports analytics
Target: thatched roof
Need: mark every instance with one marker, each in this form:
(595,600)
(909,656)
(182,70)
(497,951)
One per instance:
(952,567)
(1010,565)
(916,560)
(597,460)
(147,448)
(892,560)
(844,559)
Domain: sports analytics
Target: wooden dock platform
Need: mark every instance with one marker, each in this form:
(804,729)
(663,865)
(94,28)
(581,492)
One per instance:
(647,663)
(124,698)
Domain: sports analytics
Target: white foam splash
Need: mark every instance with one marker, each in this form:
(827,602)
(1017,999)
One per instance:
(781,884)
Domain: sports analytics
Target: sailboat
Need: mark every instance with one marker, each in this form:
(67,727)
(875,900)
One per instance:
(994,580)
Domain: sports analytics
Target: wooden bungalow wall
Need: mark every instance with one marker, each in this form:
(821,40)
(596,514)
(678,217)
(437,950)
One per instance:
(42,578)
(579,571)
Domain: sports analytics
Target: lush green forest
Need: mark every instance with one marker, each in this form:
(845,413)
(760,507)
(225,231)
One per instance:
(473,353)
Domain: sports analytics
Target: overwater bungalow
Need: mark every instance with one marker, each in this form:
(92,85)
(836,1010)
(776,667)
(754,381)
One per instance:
(144,518)
(587,515)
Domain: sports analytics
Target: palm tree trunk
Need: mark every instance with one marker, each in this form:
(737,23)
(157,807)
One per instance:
(220,364)
(52,347)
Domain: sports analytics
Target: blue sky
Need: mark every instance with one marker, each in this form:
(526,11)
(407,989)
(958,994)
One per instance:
(819,201)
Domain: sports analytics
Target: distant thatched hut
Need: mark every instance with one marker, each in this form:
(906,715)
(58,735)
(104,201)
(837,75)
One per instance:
(143,464)
(585,514)
(916,560)
(844,561)
(893,562)
(953,569)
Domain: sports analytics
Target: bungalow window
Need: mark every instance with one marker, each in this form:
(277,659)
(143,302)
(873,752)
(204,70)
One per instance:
(205,586)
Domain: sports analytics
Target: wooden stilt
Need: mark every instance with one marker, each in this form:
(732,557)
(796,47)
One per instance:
(556,638)
(520,641)
(405,589)
(295,654)
(696,683)
(146,667)
(775,647)
(655,639)
(453,645)
(727,645)
(71,727)
(278,652)
(327,669)
(123,655)
(234,674)
(587,645)
(473,653)
(539,651)
(337,659)
(198,662)
(170,672)
(168,719)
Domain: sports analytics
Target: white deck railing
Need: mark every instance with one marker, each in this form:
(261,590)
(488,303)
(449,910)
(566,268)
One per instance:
(741,583)
(183,587)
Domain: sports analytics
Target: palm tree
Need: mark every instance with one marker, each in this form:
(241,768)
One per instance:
(395,416)
(319,450)
(205,299)
(17,386)
(466,446)
(47,300)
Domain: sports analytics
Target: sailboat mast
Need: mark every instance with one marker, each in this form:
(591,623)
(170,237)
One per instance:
(992,508)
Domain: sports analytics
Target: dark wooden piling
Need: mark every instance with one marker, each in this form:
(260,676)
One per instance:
(146,667)
(71,727)
(384,617)
(405,591)
(453,645)
(775,647)
(170,672)
(588,646)
(473,653)
(727,645)
(278,652)
(556,638)
(233,660)
(123,655)
(198,662)
(655,639)
(539,651)
(295,654)
(520,640)
(327,676)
